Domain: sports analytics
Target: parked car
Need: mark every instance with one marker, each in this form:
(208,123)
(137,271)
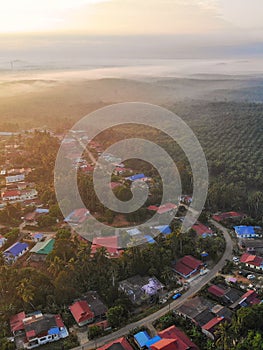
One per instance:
(176,296)
(235,259)
(251,277)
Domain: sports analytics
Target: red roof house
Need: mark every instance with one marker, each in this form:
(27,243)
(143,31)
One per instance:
(120,344)
(163,208)
(187,266)
(252,261)
(173,339)
(210,326)
(111,243)
(16,322)
(216,291)
(165,344)
(82,312)
(10,195)
(202,230)
(228,215)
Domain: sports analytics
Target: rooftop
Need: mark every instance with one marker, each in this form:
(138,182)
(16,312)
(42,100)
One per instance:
(215,290)
(201,229)
(228,215)
(81,311)
(118,344)
(209,326)
(43,248)
(187,265)
(247,230)
(251,259)
(174,333)
(16,249)
(142,338)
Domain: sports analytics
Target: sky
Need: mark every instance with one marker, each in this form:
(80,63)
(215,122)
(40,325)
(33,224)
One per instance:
(155,28)
(120,17)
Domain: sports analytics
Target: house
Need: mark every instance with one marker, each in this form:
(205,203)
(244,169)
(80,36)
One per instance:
(137,177)
(2,241)
(252,246)
(222,311)
(14,178)
(162,209)
(210,327)
(33,330)
(252,261)
(195,309)
(231,215)
(121,170)
(87,168)
(110,243)
(231,296)
(187,266)
(97,306)
(133,231)
(173,338)
(31,218)
(216,291)
(202,230)
(11,195)
(248,299)
(141,339)
(141,289)
(118,344)
(16,322)
(82,313)
(17,195)
(15,251)
(163,229)
(28,194)
(37,237)
(248,231)
(149,239)
(186,199)
(41,250)
(113,185)
(77,217)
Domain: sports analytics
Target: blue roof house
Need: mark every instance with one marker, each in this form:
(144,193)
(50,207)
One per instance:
(164,229)
(141,339)
(247,231)
(136,177)
(15,251)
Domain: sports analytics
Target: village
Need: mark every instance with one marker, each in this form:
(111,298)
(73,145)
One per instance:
(34,234)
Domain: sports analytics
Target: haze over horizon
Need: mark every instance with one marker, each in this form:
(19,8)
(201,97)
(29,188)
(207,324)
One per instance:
(95,33)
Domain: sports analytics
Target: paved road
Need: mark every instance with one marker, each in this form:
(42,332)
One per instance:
(195,287)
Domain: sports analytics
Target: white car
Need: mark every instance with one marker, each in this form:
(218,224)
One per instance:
(251,277)
(235,259)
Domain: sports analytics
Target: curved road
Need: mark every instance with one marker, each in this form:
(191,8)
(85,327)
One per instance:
(195,287)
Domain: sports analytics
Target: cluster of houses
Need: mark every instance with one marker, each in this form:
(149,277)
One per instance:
(35,329)
(171,338)
(16,189)
(250,239)
(223,300)
(42,247)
